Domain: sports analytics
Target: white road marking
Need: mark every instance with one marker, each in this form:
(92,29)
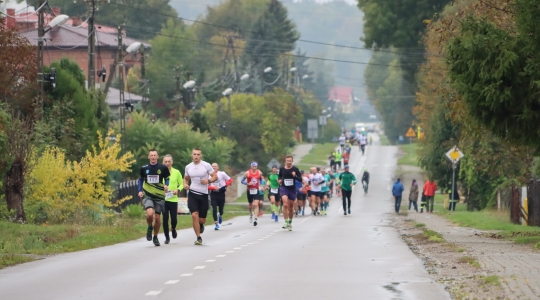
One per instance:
(172,282)
(237,248)
(199,267)
(153,293)
(222,255)
(186,274)
(211,260)
(229,251)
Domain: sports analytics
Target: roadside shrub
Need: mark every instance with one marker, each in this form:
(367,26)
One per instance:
(133,211)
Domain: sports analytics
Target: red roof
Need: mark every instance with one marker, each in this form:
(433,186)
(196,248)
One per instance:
(343,94)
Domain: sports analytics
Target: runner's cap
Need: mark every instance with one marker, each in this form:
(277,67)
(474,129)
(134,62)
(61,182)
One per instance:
(254,164)
(346,166)
(274,166)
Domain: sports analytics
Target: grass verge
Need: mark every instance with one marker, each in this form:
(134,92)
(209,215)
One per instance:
(433,236)
(489,220)
(410,158)
(318,156)
(384,140)
(21,243)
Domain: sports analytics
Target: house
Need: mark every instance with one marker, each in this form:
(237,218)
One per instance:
(343,96)
(71,41)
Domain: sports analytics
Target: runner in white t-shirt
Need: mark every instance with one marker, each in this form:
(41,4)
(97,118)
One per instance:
(197,172)
(217,194)
(315,183)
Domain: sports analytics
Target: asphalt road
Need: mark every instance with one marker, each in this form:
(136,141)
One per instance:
(359,256)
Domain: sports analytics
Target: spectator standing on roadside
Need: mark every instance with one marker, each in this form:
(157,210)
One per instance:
(413,195)
(429,190)
(397,191)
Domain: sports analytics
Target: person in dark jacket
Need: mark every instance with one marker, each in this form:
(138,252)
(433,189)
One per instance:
(365,181)
(413,195)
(454,199)
(397,190)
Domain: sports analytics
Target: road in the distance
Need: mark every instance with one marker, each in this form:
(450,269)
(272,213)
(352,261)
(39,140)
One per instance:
(359,256)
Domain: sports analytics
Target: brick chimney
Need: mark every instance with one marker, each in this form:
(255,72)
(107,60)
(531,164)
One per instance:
(10,22)
(76,21)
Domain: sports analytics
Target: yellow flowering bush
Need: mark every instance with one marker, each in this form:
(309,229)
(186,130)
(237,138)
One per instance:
(61,188)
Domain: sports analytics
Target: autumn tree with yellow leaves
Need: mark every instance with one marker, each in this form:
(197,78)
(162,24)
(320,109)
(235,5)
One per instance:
(59,189)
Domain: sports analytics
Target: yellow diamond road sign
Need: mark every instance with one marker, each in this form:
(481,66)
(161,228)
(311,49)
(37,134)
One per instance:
(454,154)
(410,133)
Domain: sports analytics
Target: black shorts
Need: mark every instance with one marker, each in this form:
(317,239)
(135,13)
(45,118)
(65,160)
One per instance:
(276,196)
(252,198)
(301,196)
(338,163)
(198,203)
(316,194)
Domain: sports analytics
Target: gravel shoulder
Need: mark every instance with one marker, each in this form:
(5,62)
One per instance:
(473,264)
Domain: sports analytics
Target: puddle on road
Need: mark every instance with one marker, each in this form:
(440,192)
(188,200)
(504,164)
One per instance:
(393,288)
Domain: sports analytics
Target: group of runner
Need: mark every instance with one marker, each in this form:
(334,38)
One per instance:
(288,189)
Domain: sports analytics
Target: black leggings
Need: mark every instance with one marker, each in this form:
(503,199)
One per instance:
(172,209)
(346,196)
(218,201)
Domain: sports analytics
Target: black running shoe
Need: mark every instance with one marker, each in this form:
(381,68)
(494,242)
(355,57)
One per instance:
(349,211)
(255,223)
(202,227)
(167,241)
(149,233)
(174,234)
(345,213)
(198,242)
(156,241)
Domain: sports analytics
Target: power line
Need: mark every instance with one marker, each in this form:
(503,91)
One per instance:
(285,54)
(249,31)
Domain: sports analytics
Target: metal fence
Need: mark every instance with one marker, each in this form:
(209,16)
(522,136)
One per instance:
(129,188)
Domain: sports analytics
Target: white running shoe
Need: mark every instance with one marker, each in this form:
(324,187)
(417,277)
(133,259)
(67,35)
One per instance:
(251,218)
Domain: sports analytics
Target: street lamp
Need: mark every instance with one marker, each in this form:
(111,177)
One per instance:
(267,70)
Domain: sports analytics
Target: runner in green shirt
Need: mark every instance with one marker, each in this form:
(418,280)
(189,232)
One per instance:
(348,180)
(176,185)
(273,194)
(338,156)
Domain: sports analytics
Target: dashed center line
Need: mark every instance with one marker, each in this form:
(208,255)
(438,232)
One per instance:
(172,282)
(222,255)
(199,267)
(229,251)
(186,274)
(153,293)
(237,248)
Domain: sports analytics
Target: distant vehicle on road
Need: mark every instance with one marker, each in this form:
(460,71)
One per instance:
(360,127)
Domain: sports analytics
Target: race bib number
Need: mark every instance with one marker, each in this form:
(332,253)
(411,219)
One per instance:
(253,191)
(152,178)
(288,182)
(169,195)
(273,191)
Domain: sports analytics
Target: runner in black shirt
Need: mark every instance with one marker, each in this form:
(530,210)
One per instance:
(287,176)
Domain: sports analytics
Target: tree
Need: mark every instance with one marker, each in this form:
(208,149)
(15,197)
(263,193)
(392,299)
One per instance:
(72,115)
(262,126)
(493,64)
(18,63)
(271,36)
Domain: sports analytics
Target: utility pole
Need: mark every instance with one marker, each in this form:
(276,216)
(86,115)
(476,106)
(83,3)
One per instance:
(144,83)
(91,46)
(40,77)
(178,93)
(121,89)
